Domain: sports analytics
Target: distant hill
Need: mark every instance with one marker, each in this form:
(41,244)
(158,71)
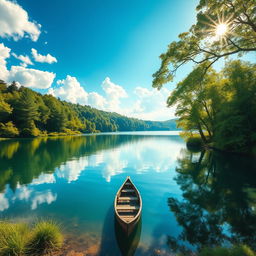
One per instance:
(169,125)
(26,113)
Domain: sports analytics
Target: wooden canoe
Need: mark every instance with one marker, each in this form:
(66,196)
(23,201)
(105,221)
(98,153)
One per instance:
(128,205)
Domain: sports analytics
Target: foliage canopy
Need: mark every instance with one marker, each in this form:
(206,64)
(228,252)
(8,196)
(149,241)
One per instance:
(201,44)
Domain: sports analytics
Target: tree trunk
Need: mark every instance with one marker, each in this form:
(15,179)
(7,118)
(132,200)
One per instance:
(201,133)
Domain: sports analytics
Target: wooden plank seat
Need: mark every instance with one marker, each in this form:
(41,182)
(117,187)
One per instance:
(127,198)
(127,190)
(127,214)
(127,207)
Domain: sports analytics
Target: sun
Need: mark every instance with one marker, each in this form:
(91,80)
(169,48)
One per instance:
(221,29)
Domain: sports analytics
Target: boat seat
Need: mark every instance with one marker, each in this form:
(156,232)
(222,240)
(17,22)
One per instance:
(127,198)
(127,190)
(127,207)
(130,214)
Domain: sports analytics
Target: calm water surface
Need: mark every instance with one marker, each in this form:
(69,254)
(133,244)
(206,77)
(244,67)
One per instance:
(190,199)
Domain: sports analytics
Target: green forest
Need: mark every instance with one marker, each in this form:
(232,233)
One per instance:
(216,108)
(221,107)
(26,113)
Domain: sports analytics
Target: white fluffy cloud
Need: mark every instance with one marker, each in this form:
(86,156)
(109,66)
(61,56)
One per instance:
(96,100)
(44,178)
(151,104)
(24,59)
(71,170)
(147,104)
(4,203)
(70,90)
(43,197)
(14,22)
(114,93)
(4,54)
(23,193)
(43,58)
(29,77)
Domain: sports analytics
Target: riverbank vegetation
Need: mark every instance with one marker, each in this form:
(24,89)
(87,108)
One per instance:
(220,106)
(26,113)
(19,239)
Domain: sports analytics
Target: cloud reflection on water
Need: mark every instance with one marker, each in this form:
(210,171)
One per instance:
(148,153)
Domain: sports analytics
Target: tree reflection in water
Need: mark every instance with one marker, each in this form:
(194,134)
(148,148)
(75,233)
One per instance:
(219,201)
(23,160)
(128,243)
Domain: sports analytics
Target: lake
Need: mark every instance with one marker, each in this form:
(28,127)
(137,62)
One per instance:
(190,199)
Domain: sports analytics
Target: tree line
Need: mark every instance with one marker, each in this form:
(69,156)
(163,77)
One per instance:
(26,113)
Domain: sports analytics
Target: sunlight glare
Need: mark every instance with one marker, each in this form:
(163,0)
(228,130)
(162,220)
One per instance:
(221,29)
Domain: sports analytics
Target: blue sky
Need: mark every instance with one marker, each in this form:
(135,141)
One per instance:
(101,52)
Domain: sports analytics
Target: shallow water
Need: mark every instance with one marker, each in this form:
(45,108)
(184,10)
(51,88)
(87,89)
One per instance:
(74,180)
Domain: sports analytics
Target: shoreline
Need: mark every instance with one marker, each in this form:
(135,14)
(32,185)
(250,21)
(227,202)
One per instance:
(61,134)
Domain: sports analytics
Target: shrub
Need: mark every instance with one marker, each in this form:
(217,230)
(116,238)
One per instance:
(8,130)
(194,143)
(31,130)
(45,237)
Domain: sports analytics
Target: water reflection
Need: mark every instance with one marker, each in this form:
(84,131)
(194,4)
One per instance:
(128,244)
(26,159)
(44,160)
(219,201)
(4,203)
(27,195)
(74,180)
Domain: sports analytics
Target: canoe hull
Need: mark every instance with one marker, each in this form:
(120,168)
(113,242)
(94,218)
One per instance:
(128,227)
(128,206)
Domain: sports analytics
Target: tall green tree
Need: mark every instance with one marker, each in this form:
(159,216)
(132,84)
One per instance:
(26,113)
(58,118)
(223,28)
(197,102)
(5,109)
(221,106)
(235,122)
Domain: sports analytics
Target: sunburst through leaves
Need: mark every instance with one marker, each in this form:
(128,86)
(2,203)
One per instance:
(219,29)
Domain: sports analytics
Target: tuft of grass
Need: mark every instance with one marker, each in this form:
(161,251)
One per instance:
(45,238)
(13,239)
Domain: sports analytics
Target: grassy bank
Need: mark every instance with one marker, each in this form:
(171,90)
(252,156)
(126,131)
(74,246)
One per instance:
(20,239)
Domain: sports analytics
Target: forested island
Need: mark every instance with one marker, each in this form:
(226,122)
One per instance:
(26,113)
